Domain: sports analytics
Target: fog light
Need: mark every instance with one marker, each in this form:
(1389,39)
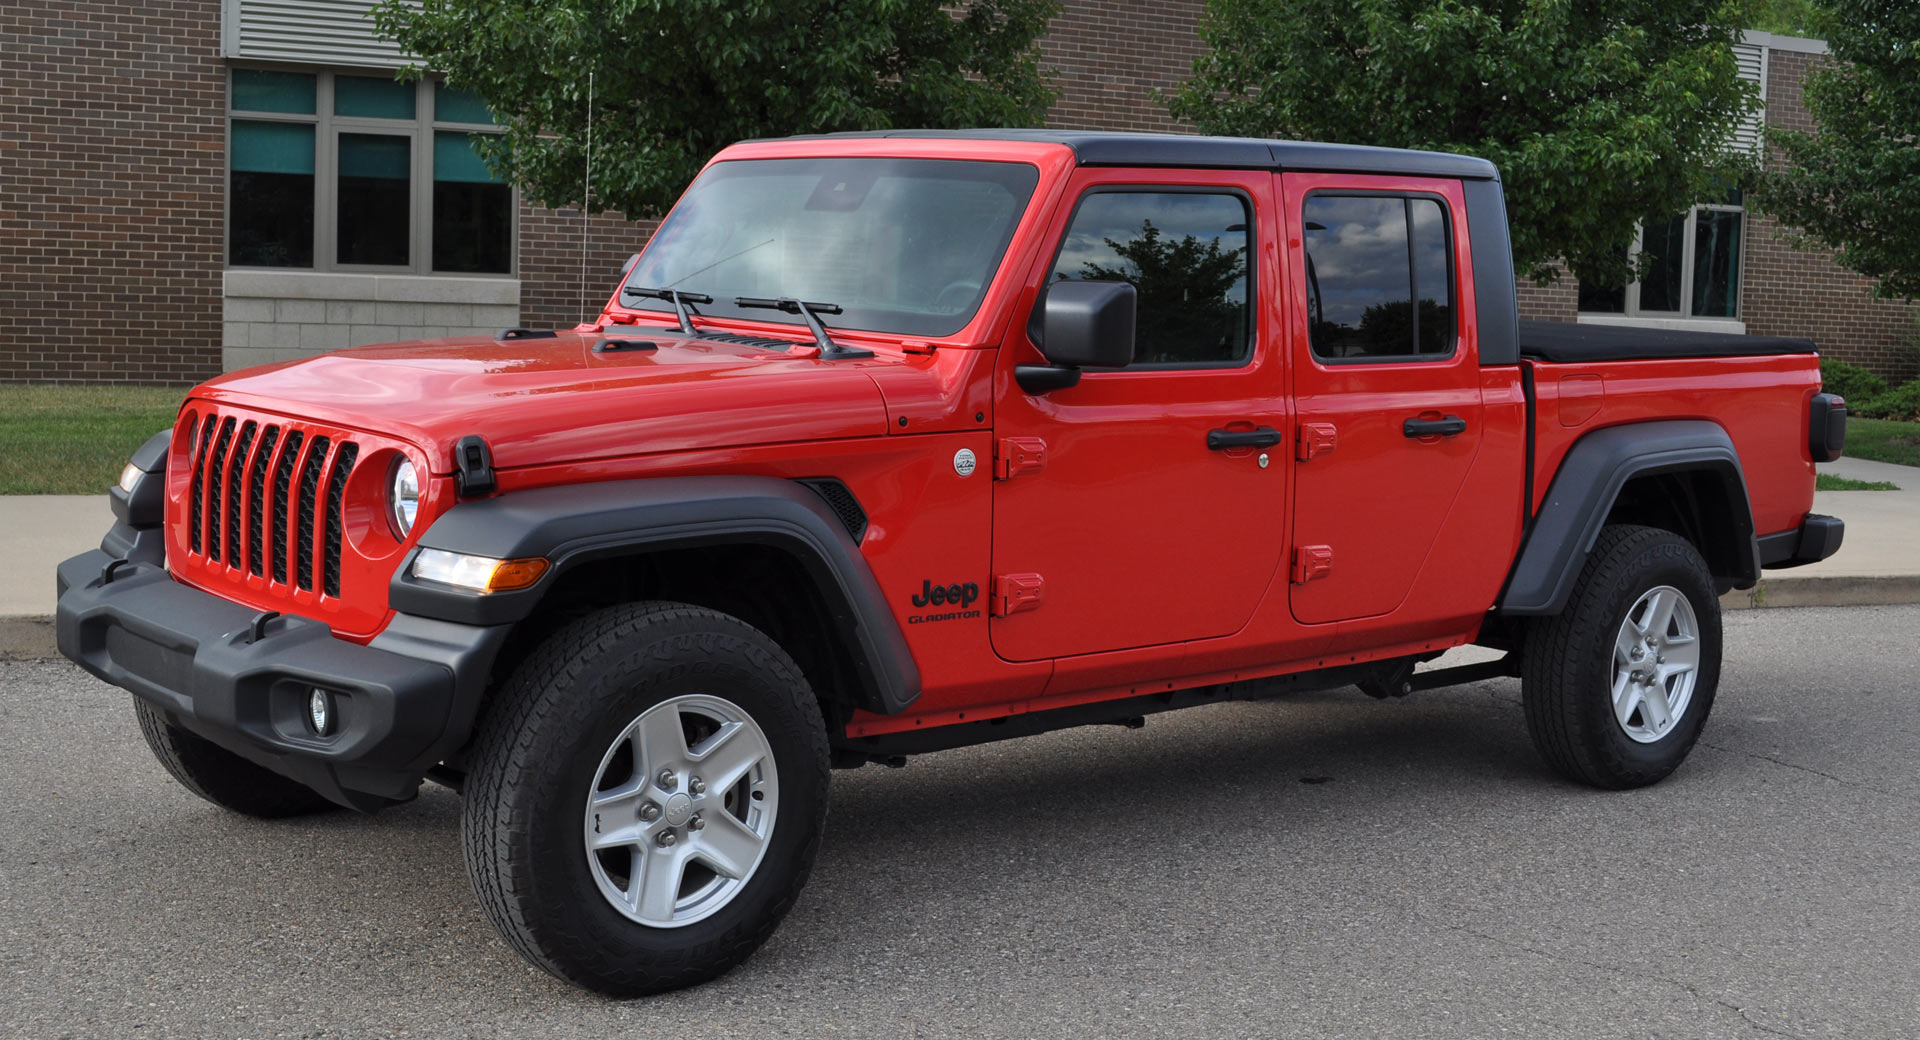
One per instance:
(320,711)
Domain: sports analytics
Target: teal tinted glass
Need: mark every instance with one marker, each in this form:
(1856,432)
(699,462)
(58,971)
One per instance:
(458,106)
(273,147)
(375,155)
(455,160)
(368,96)
(256,90)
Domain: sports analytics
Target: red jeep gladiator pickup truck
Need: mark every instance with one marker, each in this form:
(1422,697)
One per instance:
(889,443)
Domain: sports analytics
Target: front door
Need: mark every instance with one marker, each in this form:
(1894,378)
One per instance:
(1116,524)
(1386,383)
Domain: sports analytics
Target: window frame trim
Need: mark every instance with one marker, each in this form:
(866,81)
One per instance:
(1453,274)
(327,128)
(1252,212)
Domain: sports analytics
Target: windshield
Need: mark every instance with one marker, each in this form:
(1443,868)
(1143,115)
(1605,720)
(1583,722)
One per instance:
(900,245)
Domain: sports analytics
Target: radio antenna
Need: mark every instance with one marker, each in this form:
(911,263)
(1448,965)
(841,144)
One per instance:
(586,198)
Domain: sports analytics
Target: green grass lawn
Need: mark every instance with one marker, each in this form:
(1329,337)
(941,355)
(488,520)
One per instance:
(74,440)
(1833,482)
(1883,440)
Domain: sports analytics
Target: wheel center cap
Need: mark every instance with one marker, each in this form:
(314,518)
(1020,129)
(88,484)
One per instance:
(678,809)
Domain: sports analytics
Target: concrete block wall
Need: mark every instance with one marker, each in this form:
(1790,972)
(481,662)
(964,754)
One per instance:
(273,316)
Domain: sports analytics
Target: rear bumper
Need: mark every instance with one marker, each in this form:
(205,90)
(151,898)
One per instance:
(403,703)
(1817,538)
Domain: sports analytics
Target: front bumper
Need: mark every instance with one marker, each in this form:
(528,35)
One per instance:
(404,702)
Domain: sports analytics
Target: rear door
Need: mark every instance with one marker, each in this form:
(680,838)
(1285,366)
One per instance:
(1118,522)
(1386,383)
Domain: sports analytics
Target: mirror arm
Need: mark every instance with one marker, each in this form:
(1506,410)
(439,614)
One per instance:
(1040,379)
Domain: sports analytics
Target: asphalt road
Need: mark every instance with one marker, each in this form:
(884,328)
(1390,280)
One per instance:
(1325,865)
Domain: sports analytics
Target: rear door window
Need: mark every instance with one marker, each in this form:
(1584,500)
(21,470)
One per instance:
(1379,277)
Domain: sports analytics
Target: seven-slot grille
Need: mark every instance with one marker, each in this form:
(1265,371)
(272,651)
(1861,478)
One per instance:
(261,491)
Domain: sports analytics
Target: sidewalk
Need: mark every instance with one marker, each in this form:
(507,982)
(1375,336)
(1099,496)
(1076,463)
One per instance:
(1878,563)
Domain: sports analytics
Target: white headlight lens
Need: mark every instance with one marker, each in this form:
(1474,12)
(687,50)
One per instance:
(129,477)
(403,500)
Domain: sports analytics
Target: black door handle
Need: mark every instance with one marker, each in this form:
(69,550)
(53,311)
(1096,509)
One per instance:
(1259,437)
(1447,427)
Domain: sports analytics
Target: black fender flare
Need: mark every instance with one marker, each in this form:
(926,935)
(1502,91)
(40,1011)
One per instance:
(575,525)
(1585,488)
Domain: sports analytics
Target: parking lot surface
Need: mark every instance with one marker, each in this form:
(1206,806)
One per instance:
(1320,865)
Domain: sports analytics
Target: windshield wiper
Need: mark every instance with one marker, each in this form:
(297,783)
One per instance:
(674,296)
(828,348)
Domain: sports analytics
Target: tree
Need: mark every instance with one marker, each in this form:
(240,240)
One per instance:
(673,81)
(1853,184)
(1598,114)
(1184,302)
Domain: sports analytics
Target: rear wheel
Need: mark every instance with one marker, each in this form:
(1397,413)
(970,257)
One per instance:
(222,777)
(1617,687)
(646,797)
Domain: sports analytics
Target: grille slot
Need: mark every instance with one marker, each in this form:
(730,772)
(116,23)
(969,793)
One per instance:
(235,468)
(216,467)
(309,498)
(336,493)
(257,499)
(200,446)
(282,480)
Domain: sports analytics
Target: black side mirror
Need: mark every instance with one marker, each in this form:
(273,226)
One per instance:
(1082,325)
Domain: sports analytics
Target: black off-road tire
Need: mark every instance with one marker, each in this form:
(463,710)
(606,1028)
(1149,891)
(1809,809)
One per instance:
(1568,666)
(222,777)
(534,763)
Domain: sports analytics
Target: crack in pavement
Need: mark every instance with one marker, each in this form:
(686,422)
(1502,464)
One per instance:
(1805,769)
(1561,958)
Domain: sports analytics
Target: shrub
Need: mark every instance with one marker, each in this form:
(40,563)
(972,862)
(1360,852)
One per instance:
(1902,403)
(1852,382)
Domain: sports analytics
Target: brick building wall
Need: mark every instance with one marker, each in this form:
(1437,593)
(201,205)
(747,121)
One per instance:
(111,190)
(1789,291)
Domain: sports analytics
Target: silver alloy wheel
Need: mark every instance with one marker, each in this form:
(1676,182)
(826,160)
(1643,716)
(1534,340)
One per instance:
(681,810)
(1656,660)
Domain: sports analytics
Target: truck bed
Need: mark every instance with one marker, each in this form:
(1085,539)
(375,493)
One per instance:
(1568,343)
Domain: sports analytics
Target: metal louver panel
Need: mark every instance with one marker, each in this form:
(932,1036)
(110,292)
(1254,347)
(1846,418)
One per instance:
(1752,60)
(318,32)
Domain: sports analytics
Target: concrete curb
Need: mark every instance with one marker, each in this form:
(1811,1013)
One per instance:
(32,639)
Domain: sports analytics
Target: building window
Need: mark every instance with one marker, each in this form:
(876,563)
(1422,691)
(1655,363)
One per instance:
(1185,253)
(1695,271)
(338,172)
(1379,277)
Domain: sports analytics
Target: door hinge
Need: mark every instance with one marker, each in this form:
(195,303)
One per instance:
(1316,439)
(1312,561)
(1015,456)
(1013,593)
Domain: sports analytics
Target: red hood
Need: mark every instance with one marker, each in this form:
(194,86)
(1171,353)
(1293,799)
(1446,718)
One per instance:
(555,400)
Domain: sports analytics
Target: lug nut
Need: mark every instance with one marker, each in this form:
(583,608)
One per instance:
(696,785)
(1636,653)
(666,839)
(696,823)
(667,780)
(649,811)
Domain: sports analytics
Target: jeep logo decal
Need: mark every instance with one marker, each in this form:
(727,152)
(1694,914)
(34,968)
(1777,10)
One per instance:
(958,595)
(958,598)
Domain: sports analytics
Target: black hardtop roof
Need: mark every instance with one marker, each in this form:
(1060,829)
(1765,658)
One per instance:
(1099,148)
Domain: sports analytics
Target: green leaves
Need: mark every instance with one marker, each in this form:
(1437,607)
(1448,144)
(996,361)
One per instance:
(1598,115)
(677,80)
(1853,185)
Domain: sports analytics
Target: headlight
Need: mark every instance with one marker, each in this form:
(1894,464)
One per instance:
(482,574)
(403,499)
(130,476)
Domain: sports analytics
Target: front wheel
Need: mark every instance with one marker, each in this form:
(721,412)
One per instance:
(1618,686)
(646,798)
